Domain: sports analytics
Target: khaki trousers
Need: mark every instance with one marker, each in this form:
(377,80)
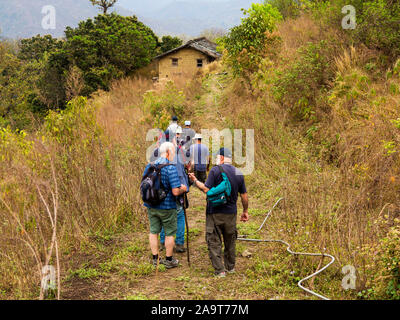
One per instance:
(221,227)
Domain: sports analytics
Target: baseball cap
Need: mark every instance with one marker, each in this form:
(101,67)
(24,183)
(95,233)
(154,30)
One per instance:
(224,152)
(174,118)
(179,130)
(188,123)
(198,137)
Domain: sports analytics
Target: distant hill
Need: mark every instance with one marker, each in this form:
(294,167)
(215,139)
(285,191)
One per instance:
(191,16)
(23,18)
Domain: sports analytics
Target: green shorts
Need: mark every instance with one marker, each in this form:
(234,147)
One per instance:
(163,218)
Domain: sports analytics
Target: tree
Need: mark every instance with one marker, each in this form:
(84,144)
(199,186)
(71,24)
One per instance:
(288,8)
(168,43)
(34,48)
(104,4)
(245,44)
(109,47)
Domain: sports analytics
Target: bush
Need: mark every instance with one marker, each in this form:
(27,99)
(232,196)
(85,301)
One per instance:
(288,8)
(160,106)
(384,269)
(297,87)
(245,44)
(379,26)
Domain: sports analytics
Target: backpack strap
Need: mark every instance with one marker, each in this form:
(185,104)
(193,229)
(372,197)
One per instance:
(158,168)
(222,171)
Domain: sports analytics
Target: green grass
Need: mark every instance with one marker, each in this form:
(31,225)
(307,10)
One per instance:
(257,212)
(85,273)
(182,278)
(249,229)
(139,296)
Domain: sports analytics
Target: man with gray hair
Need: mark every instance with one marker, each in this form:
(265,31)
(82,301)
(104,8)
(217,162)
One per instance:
(165,214)
(221,220)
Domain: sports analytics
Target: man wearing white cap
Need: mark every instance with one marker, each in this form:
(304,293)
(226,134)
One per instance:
(174,125)
(188,134)
(199,158)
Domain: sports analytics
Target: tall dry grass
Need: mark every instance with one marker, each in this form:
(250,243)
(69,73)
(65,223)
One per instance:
(338,171)
(72,181)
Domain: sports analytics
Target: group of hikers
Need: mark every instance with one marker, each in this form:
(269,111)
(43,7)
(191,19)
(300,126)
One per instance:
(180,161)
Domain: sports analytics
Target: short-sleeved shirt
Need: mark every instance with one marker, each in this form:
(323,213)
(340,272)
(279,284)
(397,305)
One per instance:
(199,154)
(187,136)
(170,180)
(179,162)
(238,185)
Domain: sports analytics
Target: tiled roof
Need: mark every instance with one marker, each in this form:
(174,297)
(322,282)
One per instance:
(201,44)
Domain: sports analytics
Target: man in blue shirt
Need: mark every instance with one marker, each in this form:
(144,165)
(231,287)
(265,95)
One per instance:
(180,234)
(199,156)
(165,214)
(221,220)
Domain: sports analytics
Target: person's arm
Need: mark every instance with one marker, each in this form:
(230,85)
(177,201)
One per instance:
(245,203)
(179,191)
(198,183)
(177,187)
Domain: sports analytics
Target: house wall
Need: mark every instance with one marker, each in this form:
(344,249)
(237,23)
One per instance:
(187,63)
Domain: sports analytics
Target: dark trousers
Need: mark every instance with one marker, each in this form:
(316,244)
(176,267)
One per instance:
(201,175)
(221,227)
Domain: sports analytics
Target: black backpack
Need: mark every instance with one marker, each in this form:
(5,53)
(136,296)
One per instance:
(151,188)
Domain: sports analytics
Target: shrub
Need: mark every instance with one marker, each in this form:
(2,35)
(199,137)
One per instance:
(245,44)
(160,105)
(297,86)
(384,269)
(379,26)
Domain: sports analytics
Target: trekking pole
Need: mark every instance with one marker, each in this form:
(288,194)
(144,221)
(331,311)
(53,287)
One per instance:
(187,228)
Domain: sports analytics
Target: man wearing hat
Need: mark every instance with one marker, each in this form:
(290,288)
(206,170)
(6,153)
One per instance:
(221,220)
(188,134)
(199,158)
(173,125)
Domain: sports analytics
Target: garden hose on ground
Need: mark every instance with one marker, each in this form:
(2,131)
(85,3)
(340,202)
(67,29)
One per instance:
(244,238)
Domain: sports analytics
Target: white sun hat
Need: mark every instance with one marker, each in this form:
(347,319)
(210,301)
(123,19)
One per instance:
(179,130)
(198,137)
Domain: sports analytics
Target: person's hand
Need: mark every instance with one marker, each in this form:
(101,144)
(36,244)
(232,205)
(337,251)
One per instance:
(245,216)
(183,188)
(192,177)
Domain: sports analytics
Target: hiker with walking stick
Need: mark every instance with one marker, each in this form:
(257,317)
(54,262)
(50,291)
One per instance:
(182,202)
(159,188)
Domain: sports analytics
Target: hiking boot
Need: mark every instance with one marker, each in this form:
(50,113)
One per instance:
(170,264)
(162,246)
(220,274)
(180,248)
(155,262)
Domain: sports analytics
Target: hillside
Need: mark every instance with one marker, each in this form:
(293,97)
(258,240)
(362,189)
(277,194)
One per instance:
(323,103)
(22,18)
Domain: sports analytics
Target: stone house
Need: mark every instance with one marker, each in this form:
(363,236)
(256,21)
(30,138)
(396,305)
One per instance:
(187,59)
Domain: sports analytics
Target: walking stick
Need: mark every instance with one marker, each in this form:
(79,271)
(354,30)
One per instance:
(185,201)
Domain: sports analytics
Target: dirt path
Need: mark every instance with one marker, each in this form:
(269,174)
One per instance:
(179,283)
(121,269)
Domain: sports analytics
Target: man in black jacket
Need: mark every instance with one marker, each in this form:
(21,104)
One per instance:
(221,220)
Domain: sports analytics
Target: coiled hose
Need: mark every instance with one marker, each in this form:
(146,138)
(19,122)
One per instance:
(288,248)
